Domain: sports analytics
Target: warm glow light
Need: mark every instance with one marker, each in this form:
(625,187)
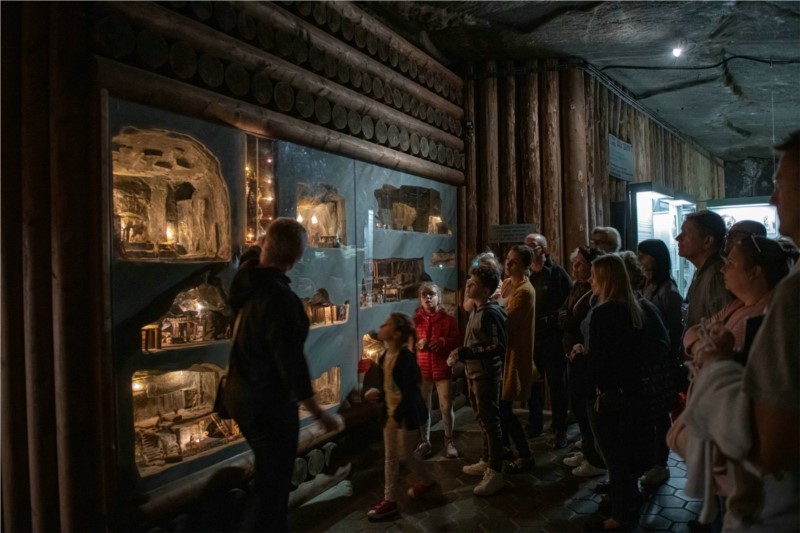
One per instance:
(677,52)
(247,169)
(314,219)
(199,306)
(300,218)
(250,235)
(270,198)
(137,386)
(269,160)
(170,233)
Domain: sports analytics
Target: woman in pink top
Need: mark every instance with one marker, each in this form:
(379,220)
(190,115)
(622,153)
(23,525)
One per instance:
(753,267)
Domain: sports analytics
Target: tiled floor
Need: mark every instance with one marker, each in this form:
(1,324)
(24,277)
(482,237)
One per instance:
(547,498)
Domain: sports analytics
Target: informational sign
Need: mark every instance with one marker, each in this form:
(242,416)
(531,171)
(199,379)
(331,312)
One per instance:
(620,159)
(510,232)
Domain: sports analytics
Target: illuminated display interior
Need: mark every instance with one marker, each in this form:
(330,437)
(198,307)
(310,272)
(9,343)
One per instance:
(321,210)
(326,389)
(170,198)
(391,280)
(173,416)
(198,315)
(259,187)
(410,208)
(322,312)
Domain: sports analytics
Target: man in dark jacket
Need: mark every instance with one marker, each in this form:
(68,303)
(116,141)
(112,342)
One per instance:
(268,374)
(552,286)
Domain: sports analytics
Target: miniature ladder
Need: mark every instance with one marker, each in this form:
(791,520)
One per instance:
(222,426)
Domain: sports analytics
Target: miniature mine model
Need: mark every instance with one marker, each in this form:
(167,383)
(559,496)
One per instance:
(322,312)
(321,210)
(170,199)
(410,208)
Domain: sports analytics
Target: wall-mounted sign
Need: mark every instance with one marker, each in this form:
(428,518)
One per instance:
(510,232)
(620,159)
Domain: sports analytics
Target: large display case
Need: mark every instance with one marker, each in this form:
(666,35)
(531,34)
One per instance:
(655,212)
(755,208)
(187,197)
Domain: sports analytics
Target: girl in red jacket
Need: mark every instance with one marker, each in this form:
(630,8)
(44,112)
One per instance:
(437,335)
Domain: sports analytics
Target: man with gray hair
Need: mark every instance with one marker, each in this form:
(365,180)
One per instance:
(552,286)
(605,238)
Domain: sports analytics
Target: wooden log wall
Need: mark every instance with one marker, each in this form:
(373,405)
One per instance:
(563,117)
(320,67)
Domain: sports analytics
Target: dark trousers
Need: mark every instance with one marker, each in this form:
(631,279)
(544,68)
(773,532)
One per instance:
(512,430)
(484,396)
(614,429)
(551,363)
(274,444)
(579,396)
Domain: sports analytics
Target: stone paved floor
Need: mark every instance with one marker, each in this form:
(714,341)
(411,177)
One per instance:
(547,498)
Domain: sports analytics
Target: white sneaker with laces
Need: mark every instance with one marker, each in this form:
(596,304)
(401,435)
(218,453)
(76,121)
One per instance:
(450,450)
(574,460)
(492,482)
(586,469)
(655,476)
(477,469)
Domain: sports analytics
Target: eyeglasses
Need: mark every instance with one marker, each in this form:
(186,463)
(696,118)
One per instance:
(755,243)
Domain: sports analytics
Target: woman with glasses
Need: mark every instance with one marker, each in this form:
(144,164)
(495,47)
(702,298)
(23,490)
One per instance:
(752,270)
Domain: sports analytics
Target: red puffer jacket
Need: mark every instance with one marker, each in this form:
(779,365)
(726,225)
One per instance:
(438,325)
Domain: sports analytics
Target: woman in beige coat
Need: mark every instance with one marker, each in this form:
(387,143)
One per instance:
(518,297)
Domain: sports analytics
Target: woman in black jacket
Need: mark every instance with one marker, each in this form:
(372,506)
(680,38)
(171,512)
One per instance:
(268,375)
(404,412)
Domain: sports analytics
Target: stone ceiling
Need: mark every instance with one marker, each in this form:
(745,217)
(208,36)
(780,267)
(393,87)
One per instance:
(733,90)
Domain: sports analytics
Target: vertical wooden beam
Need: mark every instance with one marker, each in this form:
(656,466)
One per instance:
(551,160)
(602,169)
(36,236)
(591,139)
(13,422)
(574,160)
(529,149)
(508,145)
(488,143)
(82,364)
(471,169)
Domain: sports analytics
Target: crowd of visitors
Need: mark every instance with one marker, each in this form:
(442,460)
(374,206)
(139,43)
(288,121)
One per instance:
(618,347)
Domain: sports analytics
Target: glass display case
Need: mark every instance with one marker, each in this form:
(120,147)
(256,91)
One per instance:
(186,198)
(757,208)
(655,212)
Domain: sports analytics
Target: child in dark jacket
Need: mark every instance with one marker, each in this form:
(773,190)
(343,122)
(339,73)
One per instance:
(404,412)
(483,352)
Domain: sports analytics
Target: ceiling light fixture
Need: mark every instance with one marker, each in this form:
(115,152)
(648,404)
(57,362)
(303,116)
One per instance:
(677,51)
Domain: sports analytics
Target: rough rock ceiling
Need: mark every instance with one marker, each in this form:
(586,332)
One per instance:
(737,80)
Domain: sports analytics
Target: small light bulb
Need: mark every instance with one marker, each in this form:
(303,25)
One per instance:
(247,169)
(137,386)
(269,160)
(677,52)
(300,218)
(314,219)
(269,198)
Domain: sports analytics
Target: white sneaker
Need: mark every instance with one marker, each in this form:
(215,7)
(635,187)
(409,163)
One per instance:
(450,450)
(574,460)
(655,476)
(586,469)
(477,469)
(492,482)
(423,450)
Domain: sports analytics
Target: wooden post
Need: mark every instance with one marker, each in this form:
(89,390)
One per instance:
(16,487)
(602,180)
(508,146)
(529,149)
(573,107)
(590,86)
(83,384)
(471,171)
(551,160)
(488,177)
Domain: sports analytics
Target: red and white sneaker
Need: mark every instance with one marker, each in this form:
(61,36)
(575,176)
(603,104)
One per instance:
(383,510)
(418,489)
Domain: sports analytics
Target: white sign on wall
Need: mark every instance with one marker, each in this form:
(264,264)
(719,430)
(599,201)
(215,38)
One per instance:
(509,232)
(620,159)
